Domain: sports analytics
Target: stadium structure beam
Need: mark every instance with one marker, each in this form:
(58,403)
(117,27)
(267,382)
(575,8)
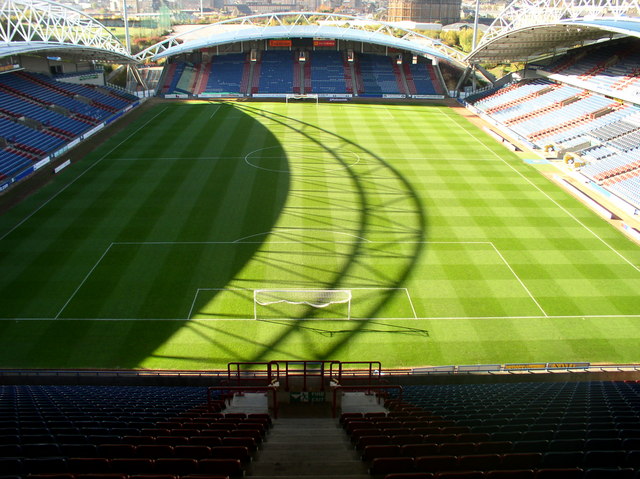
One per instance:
(301,25)
(561,24)
(28,26)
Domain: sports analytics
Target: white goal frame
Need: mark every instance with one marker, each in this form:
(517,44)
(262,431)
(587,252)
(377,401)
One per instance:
(302,96)
(280,296)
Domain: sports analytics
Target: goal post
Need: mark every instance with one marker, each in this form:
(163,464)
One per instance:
(301,97)
(312,298)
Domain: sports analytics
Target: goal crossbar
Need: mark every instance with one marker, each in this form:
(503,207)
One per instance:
(314,298)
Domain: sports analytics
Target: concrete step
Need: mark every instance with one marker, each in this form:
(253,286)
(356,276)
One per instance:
(313,448)
(319,476)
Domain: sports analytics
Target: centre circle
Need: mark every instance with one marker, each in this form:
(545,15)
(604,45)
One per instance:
(301,160)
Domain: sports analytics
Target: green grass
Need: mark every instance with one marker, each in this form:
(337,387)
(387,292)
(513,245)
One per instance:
(146,253)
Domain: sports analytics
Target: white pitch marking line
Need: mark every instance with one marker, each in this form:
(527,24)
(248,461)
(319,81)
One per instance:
(193,303)
(214,112)
(83,281)
(184,158)
(568,213)
(415,316)
(519,280)
(81,174)
(427,318)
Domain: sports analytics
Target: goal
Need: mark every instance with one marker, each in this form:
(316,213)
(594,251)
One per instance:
(307,298)
(301,97)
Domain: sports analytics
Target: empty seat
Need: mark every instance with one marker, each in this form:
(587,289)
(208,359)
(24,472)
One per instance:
(435,463)
(603,459)
(228,467)
(416,450)
(96,465)
(372,452)
(388,465)
(177,465)
(525,460)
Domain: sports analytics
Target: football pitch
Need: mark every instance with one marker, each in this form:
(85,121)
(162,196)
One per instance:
(147,253)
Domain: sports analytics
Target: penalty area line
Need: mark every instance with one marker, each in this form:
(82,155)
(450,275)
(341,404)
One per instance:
(83,281)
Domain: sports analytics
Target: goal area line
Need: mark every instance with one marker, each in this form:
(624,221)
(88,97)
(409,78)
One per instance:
(244,299)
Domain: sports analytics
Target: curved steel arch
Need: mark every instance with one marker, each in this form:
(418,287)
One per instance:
(563,21)
(524,13)
(301,25)
(32,25)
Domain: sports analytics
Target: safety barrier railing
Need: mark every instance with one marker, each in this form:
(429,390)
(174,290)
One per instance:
(305,370)
(237,374)
(341,371)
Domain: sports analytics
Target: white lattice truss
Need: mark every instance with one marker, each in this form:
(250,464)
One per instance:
(289,22)
(525,13)
(44,22)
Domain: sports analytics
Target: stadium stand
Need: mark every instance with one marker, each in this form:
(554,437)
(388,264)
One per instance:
(226,74)
(548,429)
(423,78)
(276,72)
(609,69)
(600,131)
(39,116)
(327,73)
(323,72)
(81,430)
(378,77)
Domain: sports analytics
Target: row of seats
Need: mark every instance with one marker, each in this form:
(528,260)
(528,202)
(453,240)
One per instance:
(612,69)
(175,466)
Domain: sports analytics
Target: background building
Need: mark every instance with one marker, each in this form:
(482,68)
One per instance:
(443,11)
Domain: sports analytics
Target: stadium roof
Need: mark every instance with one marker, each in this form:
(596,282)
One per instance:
(42,26)
(301,25)
(527,29)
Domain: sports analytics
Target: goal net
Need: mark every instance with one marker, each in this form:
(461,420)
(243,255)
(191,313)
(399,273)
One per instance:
(293,303)
(296,97)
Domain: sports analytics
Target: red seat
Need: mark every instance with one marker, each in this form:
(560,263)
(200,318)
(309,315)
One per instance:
(247,442)
(511,474)
(177,465)
(560,473)
(410,475)
(132,465)
(95,465)
(436,463)
(372,452)
(525,460)
(479,462)
(172,440)
(417,450)
(231,452)
(457,448)
(227,467)
(210,441)
(389,465)
(116,450)
(460,475)
(378,440)
(192,451)
(153,451)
